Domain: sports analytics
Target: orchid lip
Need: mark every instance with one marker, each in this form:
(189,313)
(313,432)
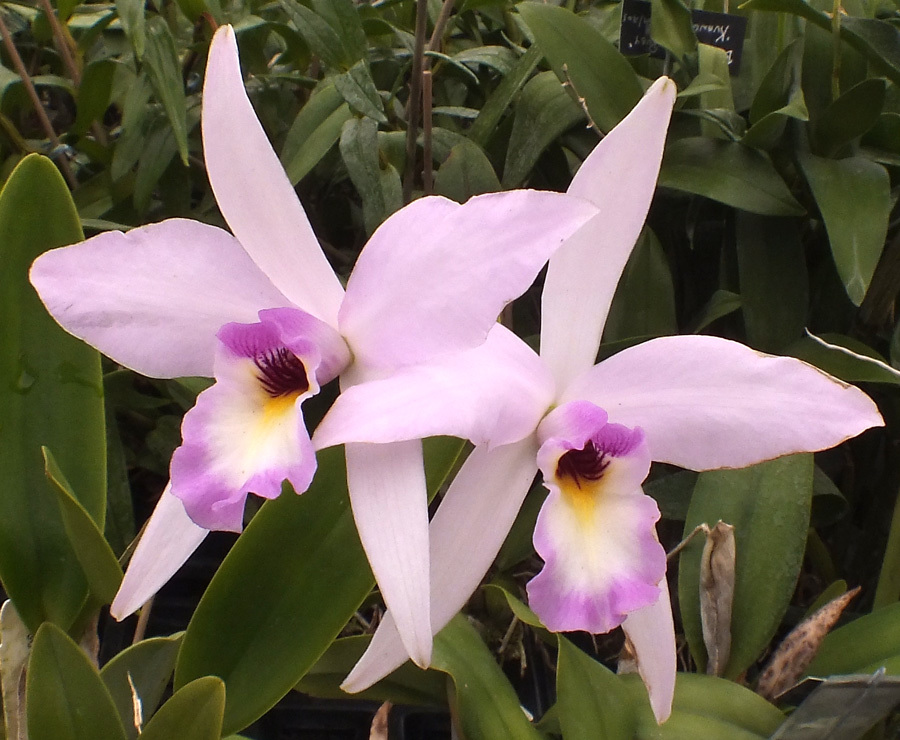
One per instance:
(588,464)
(281,373)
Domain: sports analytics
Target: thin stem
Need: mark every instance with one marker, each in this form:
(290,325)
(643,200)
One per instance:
(36,102)
(143,618)
(415,91)
(836,40)
(428,166)
(440,24)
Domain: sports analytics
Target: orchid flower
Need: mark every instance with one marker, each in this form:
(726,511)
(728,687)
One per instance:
(263,313)
(699,402)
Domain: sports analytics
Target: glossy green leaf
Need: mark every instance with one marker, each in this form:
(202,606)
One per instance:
(343,17)
(543,112)
(147,666)
(409,684)
(379,187)
(484,703)
(644,303)
(502,96)
(854,198)
(729,173)
(286,589)
(358,89)
(593,703)
(101,568)
(314,131)
(769,506)
(158,150)
(193,713)
(672,28)
(850,116)
(50,394)
(774,281)
(779,97)
(130,144)
(720,304)
(845,358)
(465,172)
(164,72)
(861,646)
(321,38)
(65,696)
(581,55)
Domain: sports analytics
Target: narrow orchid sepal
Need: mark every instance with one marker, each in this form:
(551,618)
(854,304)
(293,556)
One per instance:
(252,188)
(169,539)
(466,535)
(389,500)
(707,403)
(619,177)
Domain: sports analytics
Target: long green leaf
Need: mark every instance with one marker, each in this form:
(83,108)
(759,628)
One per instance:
(161,60)
(485,703)
(854,198)
(769,506)
(729,173)
(287,588)
(65,696)
(50,394)
(379,187)
(579,54)
(492,111)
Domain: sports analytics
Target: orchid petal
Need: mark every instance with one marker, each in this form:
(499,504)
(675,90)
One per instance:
(169,539)
(153,299)
(390,506)
(651,632)
(495,394)
(619,177)
(253,192)
(246,433)
(707,403)
(595,530)
(466,534)
(435,276)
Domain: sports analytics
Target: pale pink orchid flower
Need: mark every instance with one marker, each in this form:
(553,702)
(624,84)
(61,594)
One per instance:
(699,402)
(263,313)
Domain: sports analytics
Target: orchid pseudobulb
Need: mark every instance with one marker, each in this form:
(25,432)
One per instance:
(699,402)
(263,313)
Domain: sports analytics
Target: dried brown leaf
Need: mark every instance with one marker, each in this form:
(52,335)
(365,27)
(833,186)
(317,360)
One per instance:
(717,595)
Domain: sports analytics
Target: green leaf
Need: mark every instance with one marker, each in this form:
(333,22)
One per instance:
(861,646)
(314,131)
(774,281)
(850,116)
(466,172)
(492,111)
(343,17)
(65,696)
(729,173)
(94,93)
(193,713)
(721,303)
(357,88)
(131,14)
(845,358)
(50,393)
(378,188)
(779,97)
(769,506)
(319,36)
(543,112)
(146,665)
(164,71)
(485,703)
(672,28)
(854,198)
(101,568)
(644,303)
(286,589)
(593,703)
(580,54)
(409,684)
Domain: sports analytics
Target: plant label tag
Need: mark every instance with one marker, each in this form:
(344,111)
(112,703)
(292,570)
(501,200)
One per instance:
(722,30)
